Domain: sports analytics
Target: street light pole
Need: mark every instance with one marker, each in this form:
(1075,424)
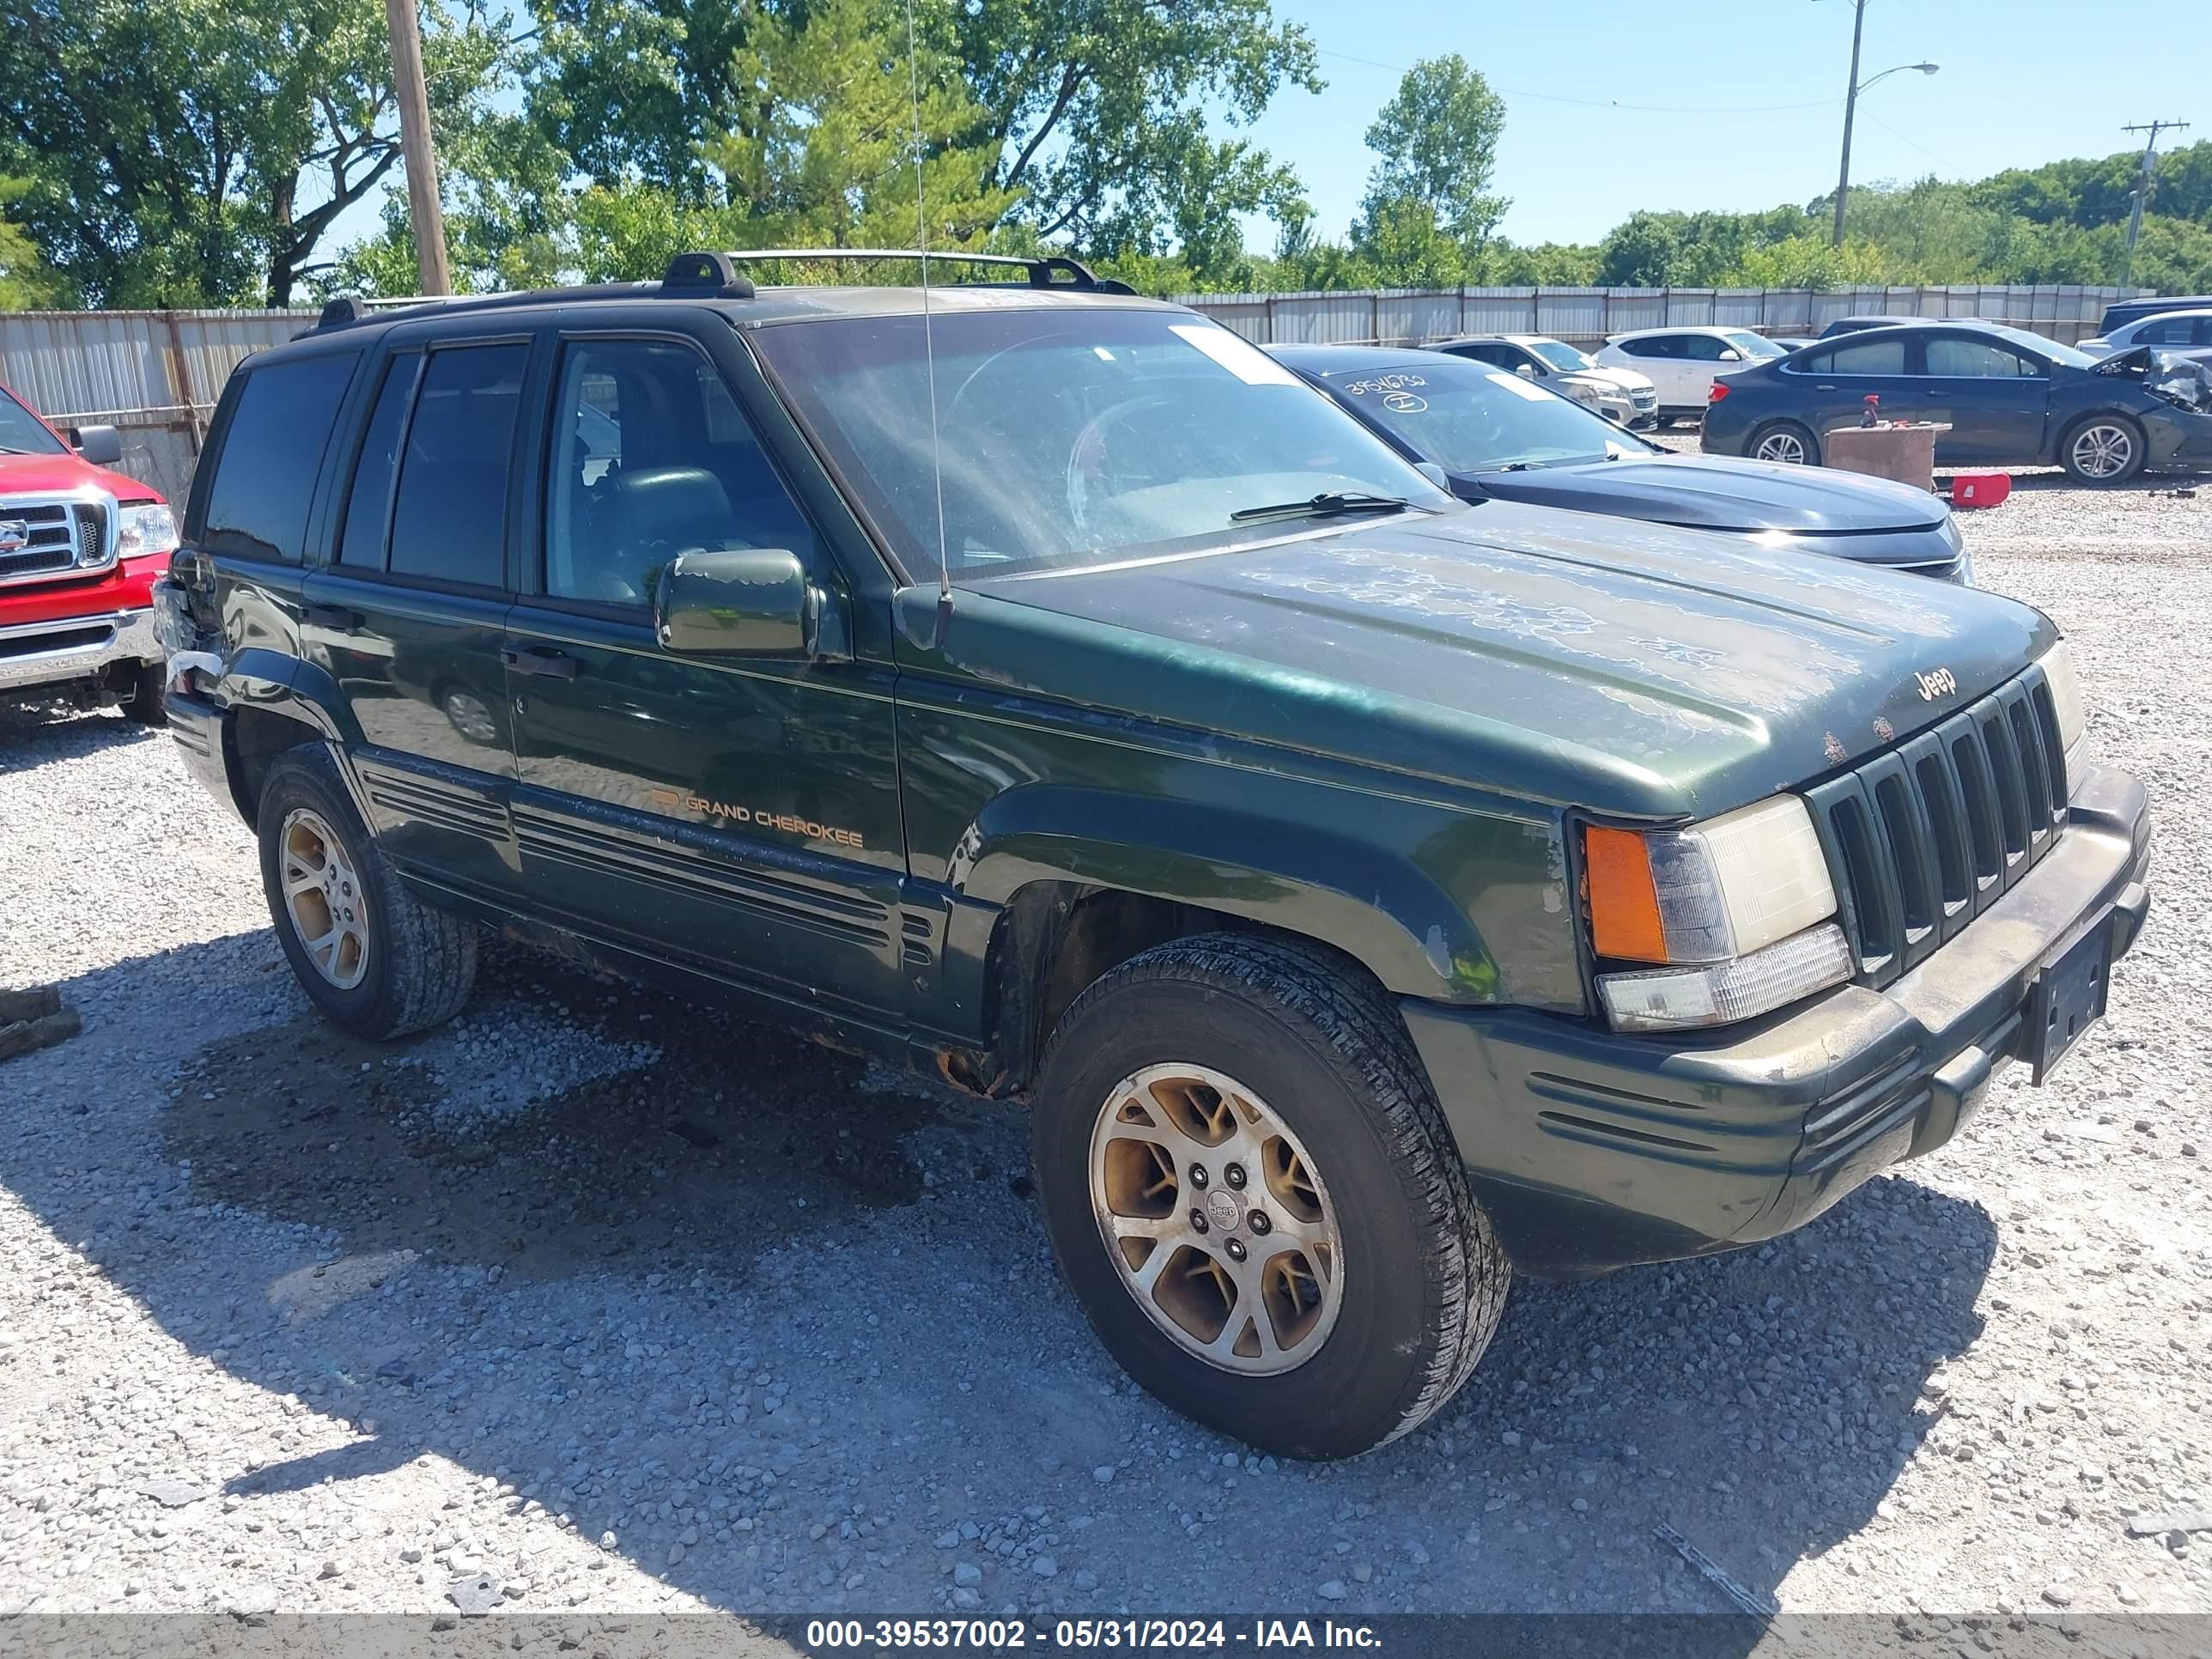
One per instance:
(1851,109)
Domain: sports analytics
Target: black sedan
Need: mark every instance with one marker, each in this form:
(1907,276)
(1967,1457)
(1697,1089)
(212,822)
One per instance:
(2011,398)
(1492,434)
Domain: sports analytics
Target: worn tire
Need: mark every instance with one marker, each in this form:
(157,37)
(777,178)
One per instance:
(421,960)
(1423,1280)
(2129,428)
(149,688)
(1782,432)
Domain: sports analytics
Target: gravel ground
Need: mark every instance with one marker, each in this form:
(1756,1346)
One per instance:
(604,1304)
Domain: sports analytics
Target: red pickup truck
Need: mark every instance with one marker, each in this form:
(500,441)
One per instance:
(80,547)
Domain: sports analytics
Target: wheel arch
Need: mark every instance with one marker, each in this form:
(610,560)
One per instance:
(272,703)
(1067,905)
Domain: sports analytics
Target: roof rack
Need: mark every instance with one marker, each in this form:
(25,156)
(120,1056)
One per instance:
(695,272)
(716,276)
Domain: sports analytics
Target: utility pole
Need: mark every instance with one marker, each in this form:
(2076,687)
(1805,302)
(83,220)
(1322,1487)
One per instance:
(424,210)
(2143,187)
(1851,109)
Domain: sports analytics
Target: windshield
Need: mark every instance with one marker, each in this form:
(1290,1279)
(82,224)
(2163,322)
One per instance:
(22,433)
(1560,354)
(1468,418)
(1757,347)
(1073,435)
(2057,351)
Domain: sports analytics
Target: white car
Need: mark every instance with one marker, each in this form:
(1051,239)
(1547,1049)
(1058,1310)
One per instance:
(1621,395)
(2189,332)
(1682,361)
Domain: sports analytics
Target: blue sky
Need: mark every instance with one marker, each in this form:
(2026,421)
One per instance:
(2020,82)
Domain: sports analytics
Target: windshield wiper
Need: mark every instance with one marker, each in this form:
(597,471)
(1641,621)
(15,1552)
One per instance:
(1328,505)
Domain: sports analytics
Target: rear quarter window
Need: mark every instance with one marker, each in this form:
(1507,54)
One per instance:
(272,452)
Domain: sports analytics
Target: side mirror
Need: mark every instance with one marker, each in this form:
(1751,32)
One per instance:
(742,602)
(1435,474)
(102,445)
(1730,355)
(1527,370)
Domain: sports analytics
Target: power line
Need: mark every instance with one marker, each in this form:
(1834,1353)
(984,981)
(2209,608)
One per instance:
(1604,103)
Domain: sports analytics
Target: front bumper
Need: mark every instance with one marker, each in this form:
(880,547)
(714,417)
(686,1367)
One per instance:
(1591,1150)
(67,648)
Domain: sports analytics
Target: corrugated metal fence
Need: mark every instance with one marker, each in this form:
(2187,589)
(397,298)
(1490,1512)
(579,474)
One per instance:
(156,374)
(1585,316)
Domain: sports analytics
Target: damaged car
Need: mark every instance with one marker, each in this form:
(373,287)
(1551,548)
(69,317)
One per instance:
(2009,397)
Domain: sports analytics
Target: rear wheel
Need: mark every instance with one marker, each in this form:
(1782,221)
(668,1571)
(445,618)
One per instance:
(2104,449)
(367,952)
(1786,442)
(1253,1196)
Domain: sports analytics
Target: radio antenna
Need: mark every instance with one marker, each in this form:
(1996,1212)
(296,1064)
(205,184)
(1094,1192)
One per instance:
(928,339)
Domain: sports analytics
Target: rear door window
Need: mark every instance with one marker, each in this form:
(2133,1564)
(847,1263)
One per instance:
(272,452)
(368,503)
(1654,345)
(449,516)
(1867,357)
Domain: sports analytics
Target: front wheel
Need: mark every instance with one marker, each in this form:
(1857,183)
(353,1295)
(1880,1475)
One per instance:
(367,952)
(149,691)
(1786,442)
(2104,449)
(1253,1194)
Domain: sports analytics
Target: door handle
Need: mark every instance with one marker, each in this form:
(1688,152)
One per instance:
(344,618)
(540,660)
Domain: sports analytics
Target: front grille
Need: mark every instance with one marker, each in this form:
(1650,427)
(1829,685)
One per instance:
(1643,400)
(1923,838)
(55,534)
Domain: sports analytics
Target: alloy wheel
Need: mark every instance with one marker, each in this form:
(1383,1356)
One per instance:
(2103,451)
(324,899)
(1786,447)
(1218,1220)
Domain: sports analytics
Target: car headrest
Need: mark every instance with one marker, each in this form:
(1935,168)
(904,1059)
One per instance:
(681,506)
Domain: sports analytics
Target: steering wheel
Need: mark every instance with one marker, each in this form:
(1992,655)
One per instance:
(1088,451)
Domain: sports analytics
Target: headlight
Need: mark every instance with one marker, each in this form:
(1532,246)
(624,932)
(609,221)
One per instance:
(2066,702)
(1733,908)
(146,529)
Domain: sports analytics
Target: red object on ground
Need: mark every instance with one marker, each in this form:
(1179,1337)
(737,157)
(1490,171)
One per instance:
(1980,488)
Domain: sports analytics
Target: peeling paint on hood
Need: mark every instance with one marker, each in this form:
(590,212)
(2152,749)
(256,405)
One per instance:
(1618,665)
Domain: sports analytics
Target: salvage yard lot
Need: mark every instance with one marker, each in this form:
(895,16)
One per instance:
(628,1306)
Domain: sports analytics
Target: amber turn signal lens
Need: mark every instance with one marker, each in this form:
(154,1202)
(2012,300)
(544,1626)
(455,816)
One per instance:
(1624,905)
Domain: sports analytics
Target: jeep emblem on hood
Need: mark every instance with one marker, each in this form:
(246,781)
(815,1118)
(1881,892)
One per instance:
(1941,684)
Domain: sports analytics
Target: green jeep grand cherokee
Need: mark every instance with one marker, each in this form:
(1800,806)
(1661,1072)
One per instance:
(1372,894)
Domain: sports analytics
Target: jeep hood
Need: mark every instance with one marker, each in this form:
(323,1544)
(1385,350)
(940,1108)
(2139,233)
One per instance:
(1627,668)
(1716,492)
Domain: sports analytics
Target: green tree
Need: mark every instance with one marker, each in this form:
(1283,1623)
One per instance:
(25,282)
(198,151)
(1641,252)
(1095,115)
(1437,140)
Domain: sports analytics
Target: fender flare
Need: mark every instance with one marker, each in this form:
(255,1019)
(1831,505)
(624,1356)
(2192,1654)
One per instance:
(276,683)
(1396,922)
